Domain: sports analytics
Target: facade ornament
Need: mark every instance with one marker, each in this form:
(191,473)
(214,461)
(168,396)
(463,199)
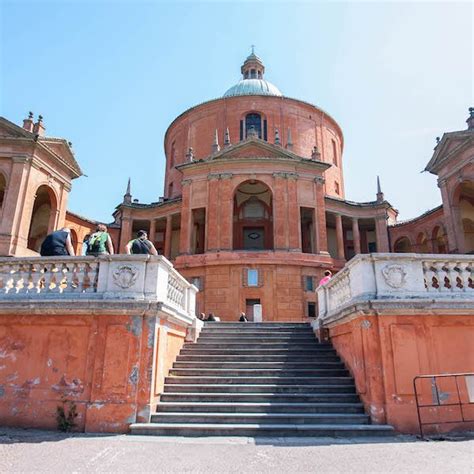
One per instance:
(127,197)
(365,324)
(285,175)
(319,180)
(277,137)
(380,194)
(226,175)
(125,276)
(252,132)
(212,176)
(227,138)
(315,155)
(190,155)
(394,275)
(215,145)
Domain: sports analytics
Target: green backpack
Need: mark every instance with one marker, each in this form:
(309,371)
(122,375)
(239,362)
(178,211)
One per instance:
(97,242)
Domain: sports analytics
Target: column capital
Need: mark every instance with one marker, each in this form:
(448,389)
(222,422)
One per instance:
(319,180)
(186,182)
(285,175)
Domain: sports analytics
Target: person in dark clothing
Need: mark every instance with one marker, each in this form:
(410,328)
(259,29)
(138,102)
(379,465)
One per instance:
(57,243)
(243,318)
(141,245)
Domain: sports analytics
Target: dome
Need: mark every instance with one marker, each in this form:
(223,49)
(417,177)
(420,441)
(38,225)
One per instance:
(253,87)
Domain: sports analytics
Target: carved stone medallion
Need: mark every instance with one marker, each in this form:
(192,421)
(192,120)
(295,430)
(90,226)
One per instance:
(125,276)
(395,275)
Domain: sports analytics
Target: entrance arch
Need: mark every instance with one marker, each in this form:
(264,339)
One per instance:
(42,218)
(253,216)
(464,200)
(402,245)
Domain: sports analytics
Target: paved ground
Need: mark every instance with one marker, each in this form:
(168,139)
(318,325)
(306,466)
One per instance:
(41,451)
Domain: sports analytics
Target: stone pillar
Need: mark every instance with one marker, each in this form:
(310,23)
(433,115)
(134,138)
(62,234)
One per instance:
(151,234)
(381,234)
(293,223)
(212,230)
(458,229)
(356,235)
(186,219)
(340,237)
(321,238)
(168,232)
(226,211)
(449,217)
(126,230)
(280,212)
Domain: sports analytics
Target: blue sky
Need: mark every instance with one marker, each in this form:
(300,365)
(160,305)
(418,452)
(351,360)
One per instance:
(111,76)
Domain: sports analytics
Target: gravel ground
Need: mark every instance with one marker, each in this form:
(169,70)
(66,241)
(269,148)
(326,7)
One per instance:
(43,451)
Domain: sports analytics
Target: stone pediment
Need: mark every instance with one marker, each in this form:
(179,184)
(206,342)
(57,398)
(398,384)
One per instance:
(450,145)
(11,130)
(254,148)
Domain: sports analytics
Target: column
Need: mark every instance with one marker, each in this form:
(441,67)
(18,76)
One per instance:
(280,216)
(381,234)
(449,216)
(151,234)
(340,237)
(212,217)
(168,232)
(226,209)
(321,238)
(294,225)
(186,219)
(125,232)
(356,235)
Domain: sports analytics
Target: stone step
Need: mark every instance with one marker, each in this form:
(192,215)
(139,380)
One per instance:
(313,397)
(309,339)
(254,330)
(196,364)
(291,351)
(225,380)
(280,430)
(249,324)
(256,388)
(263,407)
(341,372)
(230,346)
(280,358)
(260,418)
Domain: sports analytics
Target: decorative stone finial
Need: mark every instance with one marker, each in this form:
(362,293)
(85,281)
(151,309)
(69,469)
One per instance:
(277,137)
(380,195)
(227,137)
(215,144)
(127,197)
(30,115)
(315,155)
(28,123)
(438,140)
(190,155)
(38,127)
(470,120)
(289,141)
(40,118)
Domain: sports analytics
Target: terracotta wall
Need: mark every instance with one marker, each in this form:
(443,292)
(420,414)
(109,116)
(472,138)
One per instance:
(103,363)
(384,354)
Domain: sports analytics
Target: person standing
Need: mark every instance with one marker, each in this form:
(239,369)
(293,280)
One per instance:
(57,243)
(326,278)
(100,242)
(141,245)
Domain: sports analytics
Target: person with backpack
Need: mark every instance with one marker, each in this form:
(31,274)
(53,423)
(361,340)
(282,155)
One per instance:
(141,245)
(100,243)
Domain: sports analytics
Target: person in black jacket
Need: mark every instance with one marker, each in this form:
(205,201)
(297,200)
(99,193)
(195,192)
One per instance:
(141,245)
(57,243)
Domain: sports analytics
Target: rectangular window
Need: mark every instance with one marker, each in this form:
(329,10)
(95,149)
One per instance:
(311,310)
(265,136)
(334,152)
(241,130)
(197,282)
(252,277)
(308,283)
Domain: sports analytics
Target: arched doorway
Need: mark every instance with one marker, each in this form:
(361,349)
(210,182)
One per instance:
(464,199)
(3,188)
(253,217)
(422,245)
(402,245)
(440,241)
(42,217)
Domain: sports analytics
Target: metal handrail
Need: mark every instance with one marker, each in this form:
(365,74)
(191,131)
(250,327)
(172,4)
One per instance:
(439,402)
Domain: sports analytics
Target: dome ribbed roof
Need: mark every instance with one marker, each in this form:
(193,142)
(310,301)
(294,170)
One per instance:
(253,87)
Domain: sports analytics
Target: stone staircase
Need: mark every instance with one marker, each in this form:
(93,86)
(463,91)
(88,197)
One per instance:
(259,379)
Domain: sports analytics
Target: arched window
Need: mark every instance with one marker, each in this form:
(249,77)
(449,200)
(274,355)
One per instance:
(253,122)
